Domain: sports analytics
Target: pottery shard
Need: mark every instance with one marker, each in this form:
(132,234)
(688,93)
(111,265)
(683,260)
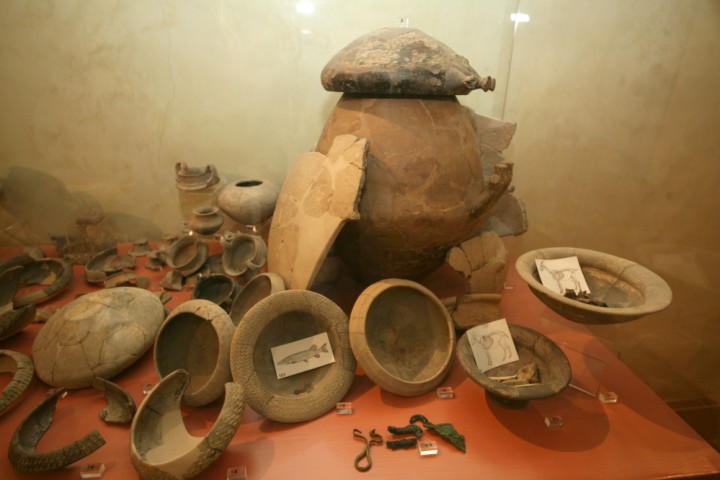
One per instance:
(482,260)
(96,335)
(320,194)
(401,61)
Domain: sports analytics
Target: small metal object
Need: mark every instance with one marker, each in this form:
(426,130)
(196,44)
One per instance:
(375,439)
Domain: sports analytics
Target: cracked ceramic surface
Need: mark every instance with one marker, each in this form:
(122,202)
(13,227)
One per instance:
(630,290)
(196,338)
(96,335)
(401,61)
(22,370)
(482,261)
(402,336)
(161,448)
(281,318)
(121,406)
(22,449)
(319,196)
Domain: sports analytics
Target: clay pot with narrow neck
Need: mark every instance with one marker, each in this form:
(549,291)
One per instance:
(206,220)
(248,202)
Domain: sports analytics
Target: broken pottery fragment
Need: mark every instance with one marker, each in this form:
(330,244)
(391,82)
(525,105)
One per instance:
(140,248)
(532,347)
(160,445)
(630,290)
(482,261)
(402,336)
(22,369)
(187,255)
(96,335)
(248,202)
(12,320)
(196,338)
(319,196)
(121,406)
(279,319)
(126,279)
(244,255)
(172,281)
(473,309)
(195,178)
(401,61)
(106,263)
(21,450)
(259,287)
(51,273)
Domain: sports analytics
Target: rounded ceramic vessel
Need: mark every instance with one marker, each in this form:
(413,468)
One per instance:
(259,287)
(249,202)
(96,335)
(161,448)
(532,347)
(630,290)
(217,288)
(186,255)
(206,220)
(402,336)
(196,338)
(244,253)
(279,319)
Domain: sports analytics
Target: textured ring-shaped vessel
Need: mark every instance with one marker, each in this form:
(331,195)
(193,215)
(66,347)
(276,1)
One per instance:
(281,318)
(161,448)
(21,451)
(23,369)
(402,336)
(59,270)
(196,337)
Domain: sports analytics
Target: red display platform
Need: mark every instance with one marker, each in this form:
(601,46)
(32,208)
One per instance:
(638,437)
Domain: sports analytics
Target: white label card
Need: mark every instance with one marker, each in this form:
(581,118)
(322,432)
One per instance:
(492,345)
(302,355)
(562,274)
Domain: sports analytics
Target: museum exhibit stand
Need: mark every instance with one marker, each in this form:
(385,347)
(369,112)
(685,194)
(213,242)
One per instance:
(606,424)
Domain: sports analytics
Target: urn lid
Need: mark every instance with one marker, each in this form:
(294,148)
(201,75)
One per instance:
(403,61)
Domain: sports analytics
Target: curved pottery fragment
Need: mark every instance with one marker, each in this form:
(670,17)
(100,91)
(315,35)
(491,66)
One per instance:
(630,290)
(106,263)
(121,406)
(320,194)
(196,338)
(160,445)
(22,369)
(402,336)
(259,287)
(244,255)
(532,347)
(279,319)
(195,178)
(186,255)
(21,451)
(96,335)
(401,61)
(52,273)
(217,288)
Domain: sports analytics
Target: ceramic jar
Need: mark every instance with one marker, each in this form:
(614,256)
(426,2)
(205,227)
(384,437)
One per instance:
(206,220)
(248,202)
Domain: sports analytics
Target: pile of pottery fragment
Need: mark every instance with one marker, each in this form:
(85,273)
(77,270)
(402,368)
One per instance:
(403,180)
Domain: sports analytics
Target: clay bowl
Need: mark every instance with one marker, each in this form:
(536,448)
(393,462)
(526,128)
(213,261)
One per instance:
(281,318)
(531,346)
(217,288)
(244,253)
(630,290)
(402,336)
(186,255)
(259,287)
(196,337)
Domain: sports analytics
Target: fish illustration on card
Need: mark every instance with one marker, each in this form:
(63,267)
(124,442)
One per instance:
(302,355)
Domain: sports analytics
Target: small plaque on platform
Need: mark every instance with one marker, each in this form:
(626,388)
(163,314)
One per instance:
(427,447)
(554,421)
(92,470)
(343,408)
(445,393)
(608,397)
(237,473)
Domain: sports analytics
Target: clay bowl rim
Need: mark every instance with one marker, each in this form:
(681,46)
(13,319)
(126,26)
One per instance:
(656,292)
(194,263)
(273,280)
(205,280)
(506,394)
(371,366)
(335,383)
(229,267)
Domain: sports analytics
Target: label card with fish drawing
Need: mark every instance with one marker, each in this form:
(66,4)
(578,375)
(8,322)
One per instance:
(561,274)
(492,345)
(302,355)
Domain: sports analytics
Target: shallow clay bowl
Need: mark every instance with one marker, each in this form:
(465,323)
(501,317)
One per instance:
(402,336)
(281,318)
(186,255)
(630,290)
(217,288)
(531,346)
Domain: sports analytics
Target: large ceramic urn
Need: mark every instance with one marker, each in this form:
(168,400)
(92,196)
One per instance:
(425,190)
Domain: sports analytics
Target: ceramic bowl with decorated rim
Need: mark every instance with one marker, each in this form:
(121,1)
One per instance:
(280,319)
(630,290)
(532,347)
(402,336)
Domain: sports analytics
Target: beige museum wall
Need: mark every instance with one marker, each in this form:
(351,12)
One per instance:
(617,105)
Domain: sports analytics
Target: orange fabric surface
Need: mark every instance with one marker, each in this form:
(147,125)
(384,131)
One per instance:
(639,437)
